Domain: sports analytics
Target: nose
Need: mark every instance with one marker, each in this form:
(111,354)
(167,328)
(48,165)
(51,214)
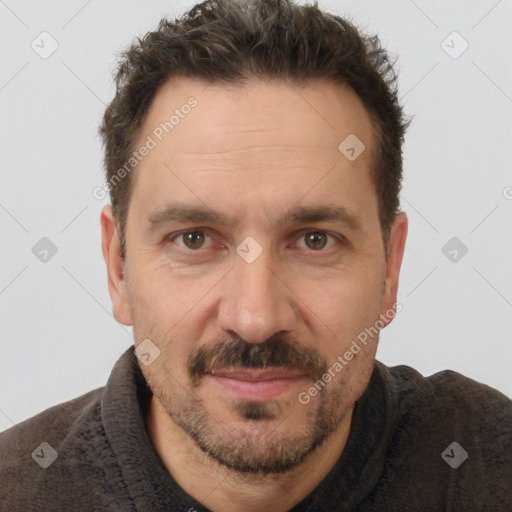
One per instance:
(256,301)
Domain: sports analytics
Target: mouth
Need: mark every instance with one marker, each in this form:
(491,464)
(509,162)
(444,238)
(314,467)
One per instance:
(259,385)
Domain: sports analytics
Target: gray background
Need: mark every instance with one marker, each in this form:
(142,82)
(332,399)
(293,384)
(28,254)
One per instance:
(58,337)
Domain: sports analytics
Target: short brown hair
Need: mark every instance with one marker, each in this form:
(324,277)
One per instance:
(231,41)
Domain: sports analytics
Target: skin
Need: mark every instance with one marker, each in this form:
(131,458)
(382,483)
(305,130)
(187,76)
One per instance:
(253,153)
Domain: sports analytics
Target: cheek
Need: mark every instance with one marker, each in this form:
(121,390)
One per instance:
(153,309)
(349,307)
(164,310)
(157,295)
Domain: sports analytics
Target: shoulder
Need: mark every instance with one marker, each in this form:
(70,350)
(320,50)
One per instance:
(34,443)
(450,394)
(451,434)
(56,419)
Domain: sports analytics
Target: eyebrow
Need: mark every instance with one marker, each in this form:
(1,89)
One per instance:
(297,215)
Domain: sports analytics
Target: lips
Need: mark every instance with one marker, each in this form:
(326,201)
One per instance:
(258,375)
(257,384)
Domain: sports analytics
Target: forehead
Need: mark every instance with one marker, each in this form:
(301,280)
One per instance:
(231,141)
(319,113)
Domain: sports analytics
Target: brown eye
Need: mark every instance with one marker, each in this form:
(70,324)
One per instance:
(193,239)
(319,241)
(316,240)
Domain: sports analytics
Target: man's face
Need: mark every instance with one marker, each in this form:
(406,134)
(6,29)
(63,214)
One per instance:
(256,298)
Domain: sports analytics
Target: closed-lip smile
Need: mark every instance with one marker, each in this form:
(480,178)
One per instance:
(257,384)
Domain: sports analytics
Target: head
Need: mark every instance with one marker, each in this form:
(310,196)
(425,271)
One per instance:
(253,155)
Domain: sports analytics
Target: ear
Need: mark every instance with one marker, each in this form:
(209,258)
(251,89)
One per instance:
(112,255)
(397,237)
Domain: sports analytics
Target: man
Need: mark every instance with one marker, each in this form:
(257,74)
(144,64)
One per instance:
(254,242)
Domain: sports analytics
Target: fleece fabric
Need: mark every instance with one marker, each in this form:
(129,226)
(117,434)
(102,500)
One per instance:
(438,443)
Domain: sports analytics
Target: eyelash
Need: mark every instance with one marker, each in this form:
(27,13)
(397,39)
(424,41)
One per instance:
(170,238)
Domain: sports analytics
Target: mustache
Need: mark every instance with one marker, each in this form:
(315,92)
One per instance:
(239,353)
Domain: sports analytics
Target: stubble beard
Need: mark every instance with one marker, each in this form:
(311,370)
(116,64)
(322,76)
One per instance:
(258,446)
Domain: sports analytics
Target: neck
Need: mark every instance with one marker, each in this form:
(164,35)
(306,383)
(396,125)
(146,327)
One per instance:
(222,489)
